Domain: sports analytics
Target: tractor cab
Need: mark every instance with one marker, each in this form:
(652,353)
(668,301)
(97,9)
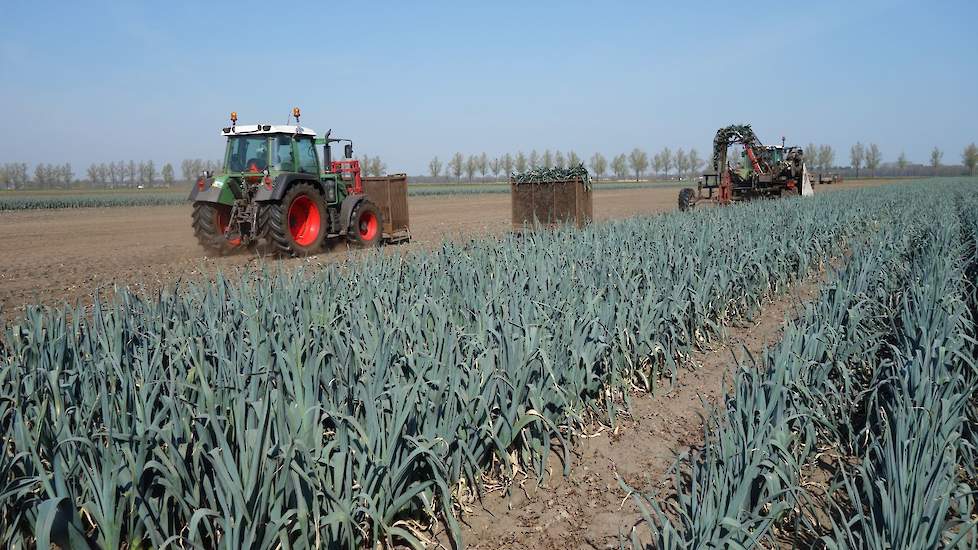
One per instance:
(275,149)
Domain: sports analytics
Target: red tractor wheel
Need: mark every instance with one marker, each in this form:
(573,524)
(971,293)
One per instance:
(210,222)
(366,225)
(297,224)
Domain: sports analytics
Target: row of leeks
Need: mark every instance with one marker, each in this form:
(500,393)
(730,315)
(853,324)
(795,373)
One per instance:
(875,382)
(359,404)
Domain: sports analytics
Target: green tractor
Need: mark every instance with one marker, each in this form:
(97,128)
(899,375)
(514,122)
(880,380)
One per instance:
(274,187)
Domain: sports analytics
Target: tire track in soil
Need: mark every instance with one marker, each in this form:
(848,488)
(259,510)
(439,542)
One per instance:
(587,509)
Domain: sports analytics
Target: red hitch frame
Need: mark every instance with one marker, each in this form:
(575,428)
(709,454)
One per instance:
(349,171)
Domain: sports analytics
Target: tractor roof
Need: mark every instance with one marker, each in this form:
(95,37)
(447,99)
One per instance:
(253,129)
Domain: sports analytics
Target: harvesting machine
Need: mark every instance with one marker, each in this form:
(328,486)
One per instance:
(273,186)
(764,171)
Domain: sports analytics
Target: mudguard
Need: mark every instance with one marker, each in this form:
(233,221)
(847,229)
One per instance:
(346,210)
(282,184)
(214,191)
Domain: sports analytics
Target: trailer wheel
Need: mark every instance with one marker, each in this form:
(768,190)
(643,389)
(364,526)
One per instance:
(687,199)
(366,225)
(210,221)
(297,223)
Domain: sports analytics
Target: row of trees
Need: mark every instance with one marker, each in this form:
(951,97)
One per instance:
(870,157)
(16,175)
(819,157)
(636,164)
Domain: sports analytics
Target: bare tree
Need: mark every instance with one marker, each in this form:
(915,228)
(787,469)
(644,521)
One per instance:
(826,156)
(456,165)
(873,158)
(619,166)
(377,166)
(694,161)
(167,174)
(970,157)
(534,160)
(666,160)
(657,164)
(471,165)
(507,164)
(599,164)
(559,161)
(935,159)
(187,169)
(680,162)
(572,159)
(67,174)
(92,174)
(482,163)
(547,159)
(150,172)
(856,156)
(40,175)
(810,155)
(902,162)
(495,165)
(434,167)
(131,172)
(639,162)
(521,163)
(15,175)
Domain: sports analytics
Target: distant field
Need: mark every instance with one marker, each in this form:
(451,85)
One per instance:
(102,198)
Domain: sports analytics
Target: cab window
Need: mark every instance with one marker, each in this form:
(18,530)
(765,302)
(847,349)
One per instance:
(308,163)
(247,153)
(282,158)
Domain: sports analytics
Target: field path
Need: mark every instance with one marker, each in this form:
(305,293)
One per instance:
(587,509)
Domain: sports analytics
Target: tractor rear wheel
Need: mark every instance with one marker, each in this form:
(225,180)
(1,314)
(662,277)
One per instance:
(210,221)
(297,224)
(366,225)
(687,199)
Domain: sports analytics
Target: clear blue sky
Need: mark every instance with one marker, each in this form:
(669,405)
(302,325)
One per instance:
(91,81)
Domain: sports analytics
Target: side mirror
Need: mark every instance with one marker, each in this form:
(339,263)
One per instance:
(348,150)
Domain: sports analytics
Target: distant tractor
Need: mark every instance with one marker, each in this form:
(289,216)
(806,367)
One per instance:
(273,186)
(764,171)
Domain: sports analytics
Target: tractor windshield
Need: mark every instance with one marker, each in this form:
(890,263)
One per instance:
(247,153)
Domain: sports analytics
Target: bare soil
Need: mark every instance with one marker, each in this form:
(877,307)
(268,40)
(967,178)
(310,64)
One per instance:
(50,257)
(588,509)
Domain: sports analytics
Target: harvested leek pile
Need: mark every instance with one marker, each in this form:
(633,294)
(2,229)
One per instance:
(356,405)
(878,380)
(550,175)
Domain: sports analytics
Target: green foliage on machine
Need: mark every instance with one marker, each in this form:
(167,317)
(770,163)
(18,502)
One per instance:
(552,175)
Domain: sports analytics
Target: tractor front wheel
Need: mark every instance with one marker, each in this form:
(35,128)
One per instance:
(366,225)
(687,199)
(210,222)
(297,224)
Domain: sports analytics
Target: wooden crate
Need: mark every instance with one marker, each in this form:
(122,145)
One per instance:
(551,203)
(390,195)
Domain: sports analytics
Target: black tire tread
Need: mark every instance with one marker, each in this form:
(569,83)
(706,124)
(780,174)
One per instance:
(686,199)
(353,233)
(206,230)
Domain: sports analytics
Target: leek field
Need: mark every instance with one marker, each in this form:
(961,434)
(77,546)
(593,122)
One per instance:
(357,405)
(31,200)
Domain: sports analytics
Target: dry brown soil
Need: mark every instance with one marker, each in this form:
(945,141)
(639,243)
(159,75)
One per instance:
(52,256)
